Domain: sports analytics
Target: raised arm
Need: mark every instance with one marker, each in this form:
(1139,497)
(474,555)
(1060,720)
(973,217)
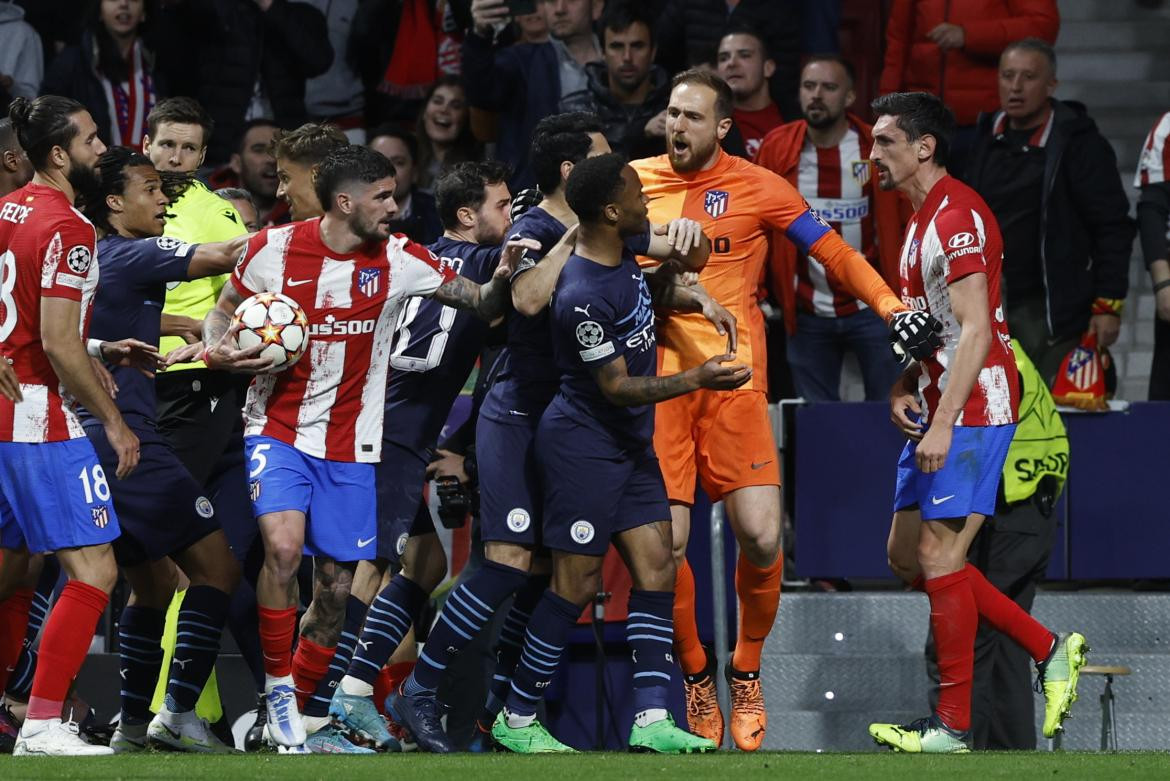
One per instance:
(532,289)
(209,260)
(681,240)
(668,292)
(489,300)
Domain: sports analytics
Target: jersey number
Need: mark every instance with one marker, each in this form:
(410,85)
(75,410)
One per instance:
(7,302)
(259,460)
(95,486)
(434,353)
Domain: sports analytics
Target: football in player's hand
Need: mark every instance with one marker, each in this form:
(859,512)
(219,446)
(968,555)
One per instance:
(275,321)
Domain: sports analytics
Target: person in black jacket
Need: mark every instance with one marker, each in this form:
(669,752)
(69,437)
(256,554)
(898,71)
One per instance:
(1051,179)
(689,33)
(243,59)
(111,72)
(627,91)
(418,215)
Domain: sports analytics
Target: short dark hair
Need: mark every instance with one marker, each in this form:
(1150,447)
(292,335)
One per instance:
(308,144)
(847,66)
(390,130)
(724,100)
(920,114)
(8,140)
(559,138)
(739,28)
(236,194)
(621,15)
(353,163)
(248,127)
(465,185)
(111,174)
(44,123)
(1038,45)
(593,184)
(180,111)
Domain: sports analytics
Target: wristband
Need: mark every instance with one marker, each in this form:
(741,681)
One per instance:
(203,355)
(94,348)
(1165,283)
(1108,306)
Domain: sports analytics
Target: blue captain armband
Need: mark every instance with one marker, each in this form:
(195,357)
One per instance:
(806,229)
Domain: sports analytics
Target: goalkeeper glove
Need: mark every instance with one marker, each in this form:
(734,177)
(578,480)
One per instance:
(525,200)
(914,334)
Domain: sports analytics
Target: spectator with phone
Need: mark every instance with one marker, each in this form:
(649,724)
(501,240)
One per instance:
(526,82)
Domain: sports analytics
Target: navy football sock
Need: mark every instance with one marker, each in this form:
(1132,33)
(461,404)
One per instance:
(467,611)
(544,642)
(201,618)
(387,622)
(140,656)
(650,633)
(355,614)
(510,643)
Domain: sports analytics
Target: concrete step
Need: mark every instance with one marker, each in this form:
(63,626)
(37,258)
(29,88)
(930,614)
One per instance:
(1112,65)
(1098,93)
(1102,10)
(895,623)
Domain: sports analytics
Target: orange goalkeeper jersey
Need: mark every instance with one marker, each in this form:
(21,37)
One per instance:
(739,204)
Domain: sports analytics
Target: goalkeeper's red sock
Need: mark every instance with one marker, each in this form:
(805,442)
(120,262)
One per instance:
(954,619)
(1009,618)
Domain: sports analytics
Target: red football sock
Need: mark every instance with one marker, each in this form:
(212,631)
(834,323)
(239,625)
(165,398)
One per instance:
(688,648)
(954,619)
(309,665)
(759,599)
(64,644)
(391,676)
(277,627)
(13,625)
(1008,617)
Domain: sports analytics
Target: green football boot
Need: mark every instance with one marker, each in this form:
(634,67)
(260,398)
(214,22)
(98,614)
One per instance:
(533,739)
(664,737)
(925,736)
(1058,678)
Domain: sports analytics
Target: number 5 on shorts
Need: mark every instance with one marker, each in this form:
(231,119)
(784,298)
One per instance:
(258,459)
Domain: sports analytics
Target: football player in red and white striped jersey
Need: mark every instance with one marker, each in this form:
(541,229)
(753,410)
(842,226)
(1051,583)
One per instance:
(313,431)
(1153,213)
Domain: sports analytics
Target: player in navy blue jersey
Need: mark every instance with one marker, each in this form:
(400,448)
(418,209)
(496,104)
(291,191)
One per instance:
(601,479)
(510,495)
(435,349)
(164,512)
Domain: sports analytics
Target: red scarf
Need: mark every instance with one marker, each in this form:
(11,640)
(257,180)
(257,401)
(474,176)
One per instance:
(130,101)
(426,45)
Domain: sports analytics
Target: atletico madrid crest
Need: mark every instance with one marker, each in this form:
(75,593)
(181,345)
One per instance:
(715,202)
(861,171)
(370,281)
(101,516)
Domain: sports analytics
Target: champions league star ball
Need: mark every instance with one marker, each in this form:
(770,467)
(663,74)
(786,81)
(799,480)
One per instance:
(275,321)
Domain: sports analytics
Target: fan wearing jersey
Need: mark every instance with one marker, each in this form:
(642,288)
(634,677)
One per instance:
(54,494)
(724,438)
(314,431)
(165,514)
(435,349)
(594,445)
(958,409)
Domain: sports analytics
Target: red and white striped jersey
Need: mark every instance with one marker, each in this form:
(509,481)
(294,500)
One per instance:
(330,404)
(1155,159)
(47,250)
(836,182)
(952,235)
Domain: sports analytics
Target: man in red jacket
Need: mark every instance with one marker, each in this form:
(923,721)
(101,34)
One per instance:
(952,50)
(825,156)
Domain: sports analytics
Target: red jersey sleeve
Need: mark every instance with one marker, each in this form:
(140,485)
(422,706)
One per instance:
(245,277)
(67,258)
(419,270)
(962,242)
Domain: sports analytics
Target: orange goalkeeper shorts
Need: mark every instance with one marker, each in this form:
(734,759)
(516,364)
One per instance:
(722,437)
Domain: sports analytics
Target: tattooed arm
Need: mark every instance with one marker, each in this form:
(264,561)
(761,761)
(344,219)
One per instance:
(489,300)
(622,390)
(219,334)
(668,292)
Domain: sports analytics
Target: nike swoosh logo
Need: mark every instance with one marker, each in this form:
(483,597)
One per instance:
(364,543)
(295,282)
(937,501)
(761,465)
(214,402)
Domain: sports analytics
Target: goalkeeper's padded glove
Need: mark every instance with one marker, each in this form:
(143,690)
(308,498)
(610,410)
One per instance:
(915,334)
(525,200)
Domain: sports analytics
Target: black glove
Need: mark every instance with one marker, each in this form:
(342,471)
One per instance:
(916,334)
(525,200)
(454,501)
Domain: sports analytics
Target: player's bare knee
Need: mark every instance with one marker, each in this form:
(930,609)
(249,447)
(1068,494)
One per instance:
(101,573)
(655,578)
(578,584)
(282,557)
(762,549)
